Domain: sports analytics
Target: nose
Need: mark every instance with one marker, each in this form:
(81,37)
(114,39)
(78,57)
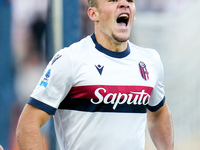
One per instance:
(123,4)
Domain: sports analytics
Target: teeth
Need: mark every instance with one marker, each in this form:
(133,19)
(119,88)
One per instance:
(123,15)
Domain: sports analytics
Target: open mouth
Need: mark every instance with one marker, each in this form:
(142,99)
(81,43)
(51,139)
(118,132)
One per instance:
(123,19)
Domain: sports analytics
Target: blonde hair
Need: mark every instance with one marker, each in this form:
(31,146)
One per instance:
(92,3)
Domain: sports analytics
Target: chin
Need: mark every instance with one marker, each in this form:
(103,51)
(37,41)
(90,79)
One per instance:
(120,38)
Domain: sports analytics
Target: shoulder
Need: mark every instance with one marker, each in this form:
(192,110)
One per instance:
(79,46)
(147,53)
(74,51)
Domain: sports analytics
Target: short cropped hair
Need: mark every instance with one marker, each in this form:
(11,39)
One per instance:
(93,3)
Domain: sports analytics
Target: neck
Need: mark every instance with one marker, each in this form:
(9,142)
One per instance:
(110,44)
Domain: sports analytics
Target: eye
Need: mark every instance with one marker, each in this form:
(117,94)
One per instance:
(112,0)
(130,1)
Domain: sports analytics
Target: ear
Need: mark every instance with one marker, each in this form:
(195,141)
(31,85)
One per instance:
(93,13)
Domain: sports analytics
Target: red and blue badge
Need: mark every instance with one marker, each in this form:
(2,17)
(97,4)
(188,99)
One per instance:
(143,71)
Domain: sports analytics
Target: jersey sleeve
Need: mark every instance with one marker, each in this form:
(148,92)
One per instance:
(157,99)
(54,84)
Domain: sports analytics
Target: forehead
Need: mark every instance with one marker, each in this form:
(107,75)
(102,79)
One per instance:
(103,1)
(110,3)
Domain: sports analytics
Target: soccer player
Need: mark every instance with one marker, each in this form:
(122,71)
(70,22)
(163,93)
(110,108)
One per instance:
(101,90)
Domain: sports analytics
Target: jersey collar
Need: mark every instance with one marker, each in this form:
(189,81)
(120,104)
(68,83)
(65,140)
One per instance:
(108,52)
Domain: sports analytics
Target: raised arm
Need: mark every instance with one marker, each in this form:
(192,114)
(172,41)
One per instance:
(28,130)
(161,128)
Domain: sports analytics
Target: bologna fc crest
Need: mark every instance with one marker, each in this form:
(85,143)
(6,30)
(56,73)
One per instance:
(143,70)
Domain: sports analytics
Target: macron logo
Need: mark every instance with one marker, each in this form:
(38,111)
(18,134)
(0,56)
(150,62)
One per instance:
(99,68)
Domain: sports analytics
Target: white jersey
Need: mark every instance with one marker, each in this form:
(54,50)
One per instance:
(100,97)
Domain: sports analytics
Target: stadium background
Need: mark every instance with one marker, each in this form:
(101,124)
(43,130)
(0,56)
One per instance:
(27,43)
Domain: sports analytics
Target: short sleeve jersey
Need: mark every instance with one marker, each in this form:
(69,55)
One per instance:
(99,98)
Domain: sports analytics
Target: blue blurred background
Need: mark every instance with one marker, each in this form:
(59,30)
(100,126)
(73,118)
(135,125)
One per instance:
(31,31)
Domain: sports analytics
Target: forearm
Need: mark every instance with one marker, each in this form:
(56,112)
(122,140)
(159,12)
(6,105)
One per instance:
(28,132)
(29,138)
(161,130)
